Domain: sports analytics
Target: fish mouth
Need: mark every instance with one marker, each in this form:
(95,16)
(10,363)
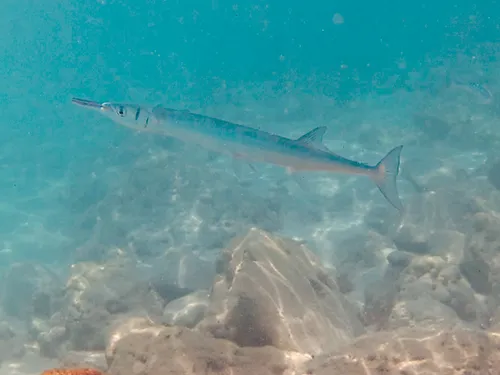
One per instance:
(88,103)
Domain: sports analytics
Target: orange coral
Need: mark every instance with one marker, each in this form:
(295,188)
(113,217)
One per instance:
(72,371)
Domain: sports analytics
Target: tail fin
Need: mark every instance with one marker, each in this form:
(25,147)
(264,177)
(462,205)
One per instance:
(386,172)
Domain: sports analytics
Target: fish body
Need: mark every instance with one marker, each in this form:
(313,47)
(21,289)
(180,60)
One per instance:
(306,153)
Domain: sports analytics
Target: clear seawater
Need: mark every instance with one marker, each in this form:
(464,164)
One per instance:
(74,185)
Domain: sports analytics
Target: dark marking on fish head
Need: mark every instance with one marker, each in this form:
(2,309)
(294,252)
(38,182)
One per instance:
(121,111)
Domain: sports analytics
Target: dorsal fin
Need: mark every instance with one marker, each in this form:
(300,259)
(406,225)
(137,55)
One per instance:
(314,138)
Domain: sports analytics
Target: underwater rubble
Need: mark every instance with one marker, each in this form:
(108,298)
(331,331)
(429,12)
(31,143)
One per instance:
(401,301)
(414,295)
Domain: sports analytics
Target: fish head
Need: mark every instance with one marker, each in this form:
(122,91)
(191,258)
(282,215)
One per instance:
(130,115)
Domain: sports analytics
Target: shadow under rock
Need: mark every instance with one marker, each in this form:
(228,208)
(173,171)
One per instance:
(167,290)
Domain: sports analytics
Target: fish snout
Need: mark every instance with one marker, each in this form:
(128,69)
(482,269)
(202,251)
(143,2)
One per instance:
(90,104)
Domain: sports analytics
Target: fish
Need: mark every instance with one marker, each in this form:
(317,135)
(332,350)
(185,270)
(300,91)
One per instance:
(72,371)
(477,89)
(305,153)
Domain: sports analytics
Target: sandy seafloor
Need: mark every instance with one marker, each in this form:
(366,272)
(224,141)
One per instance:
(158,202)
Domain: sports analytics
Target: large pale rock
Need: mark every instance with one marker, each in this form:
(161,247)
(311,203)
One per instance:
(414,351)
(273,291)
(124,328)
(176,350)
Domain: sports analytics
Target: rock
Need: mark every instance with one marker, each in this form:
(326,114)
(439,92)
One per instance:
(430,292)
(420,311)
(399,259)
(271,291)
(414,351)
(30,290)
(361,250)
(78,359)
(151,213)
(6,331)
(194,272)
(448,244)
(99,293)
(51,340)
(178,350)
(480,260)
(359,258)
(423,265)
(381,219)
(178,273)
(125,327)
(344,282)
(380,297)
(13,338)
(412,238)
(37,326)
(186,311)
(477,272)
(446,205)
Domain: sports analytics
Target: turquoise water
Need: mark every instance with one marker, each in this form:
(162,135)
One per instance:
(75,186)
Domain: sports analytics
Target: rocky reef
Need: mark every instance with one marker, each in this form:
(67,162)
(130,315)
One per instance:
(403,302)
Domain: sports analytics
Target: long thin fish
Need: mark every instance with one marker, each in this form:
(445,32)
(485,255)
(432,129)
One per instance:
(307,153)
